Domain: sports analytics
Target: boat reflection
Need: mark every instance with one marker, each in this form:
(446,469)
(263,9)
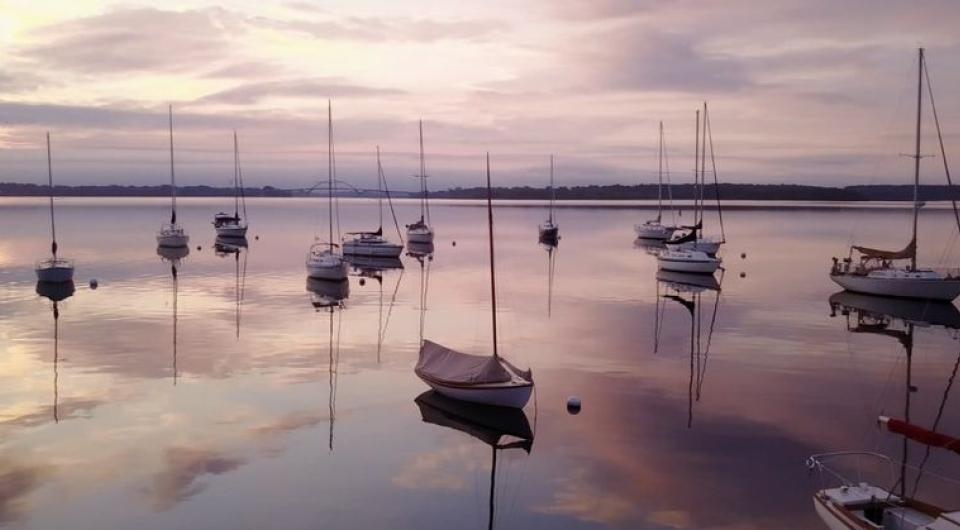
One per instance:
(325,294)
(499,427)
(687,289)
(224,247)
(857,503)
(420,250)
(552,251)
(173,255)
(56,292)
(650,246)
(372,266)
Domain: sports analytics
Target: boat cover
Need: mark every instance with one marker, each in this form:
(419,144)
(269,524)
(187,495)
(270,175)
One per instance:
(443,364)
(908,252)
(689,236)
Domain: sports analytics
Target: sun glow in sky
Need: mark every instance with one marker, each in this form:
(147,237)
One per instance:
(800,92)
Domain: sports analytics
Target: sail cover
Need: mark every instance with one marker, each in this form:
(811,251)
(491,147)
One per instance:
(449,366)
(919,434)
(908,252)
(689,236)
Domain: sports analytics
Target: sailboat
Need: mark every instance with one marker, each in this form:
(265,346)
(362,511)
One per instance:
(875,271)
(56,292)
(550,231)
(500,429)
(234,225)
(856,503)
(687,290)
(488,380)
(692,252)
(171,234)
(421,232)
(324,261)
(654,229)
(373,243)
(53,269)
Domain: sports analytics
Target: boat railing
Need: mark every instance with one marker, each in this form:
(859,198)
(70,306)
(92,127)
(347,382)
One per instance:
(827,464)
(51,263)
(823,464)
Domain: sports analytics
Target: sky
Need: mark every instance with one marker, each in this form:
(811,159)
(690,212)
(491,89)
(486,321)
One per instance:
(800,91)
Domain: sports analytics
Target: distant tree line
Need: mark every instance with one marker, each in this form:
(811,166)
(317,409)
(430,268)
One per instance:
(614,192)
(749,192)
(33,190)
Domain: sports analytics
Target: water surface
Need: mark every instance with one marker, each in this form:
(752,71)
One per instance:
(265,412)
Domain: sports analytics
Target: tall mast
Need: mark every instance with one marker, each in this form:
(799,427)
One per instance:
(660,176)
(243,196)
(493,275)
(380,188)
(53,224)
(236,178)
(703,158)
(330,170)
(173,181)
(916,162)
(696,171)
(423,177)
(553,193)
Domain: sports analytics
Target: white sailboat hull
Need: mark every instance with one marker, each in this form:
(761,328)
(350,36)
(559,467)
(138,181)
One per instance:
(234,231)
(327,271)
(687,261)
(172,240)
(508,395)
(654,231)
(833,518)
(383,250)
(924,287)
(420,235)
(55,272)
(708,246)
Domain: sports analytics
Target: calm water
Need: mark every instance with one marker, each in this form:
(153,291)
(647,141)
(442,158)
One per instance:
(248,418)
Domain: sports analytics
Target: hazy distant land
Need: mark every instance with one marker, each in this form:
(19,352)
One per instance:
(614,192)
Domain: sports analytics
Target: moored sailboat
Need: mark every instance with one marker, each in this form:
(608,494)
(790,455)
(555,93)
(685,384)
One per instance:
(875,271)
(54,269)
(694,238)
(227,225)
(549,230)
(172,235)
(324,260)
(421,231)
(373,244)
(489,380)
(654,229)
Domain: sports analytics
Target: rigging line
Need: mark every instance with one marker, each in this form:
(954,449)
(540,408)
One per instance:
(393,299)
(936,422)
(393,212)
(943,151)
(708,127)
(53,223)
(666,172)
(713,320)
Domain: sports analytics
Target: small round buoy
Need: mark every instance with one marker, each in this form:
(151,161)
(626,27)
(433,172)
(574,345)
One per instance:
(363,281)
(198,248)
(94,283)
(743,255)
(573,405)
(454,243)
(743,275)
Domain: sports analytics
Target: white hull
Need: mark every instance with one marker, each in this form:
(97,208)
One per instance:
(687,261)
(232,231)
(833,519)
(57,274)
(512,396)
(420,236)
(334,273)
(387,250)
(655,232)
(173,240)
(928,289)
(704,245)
